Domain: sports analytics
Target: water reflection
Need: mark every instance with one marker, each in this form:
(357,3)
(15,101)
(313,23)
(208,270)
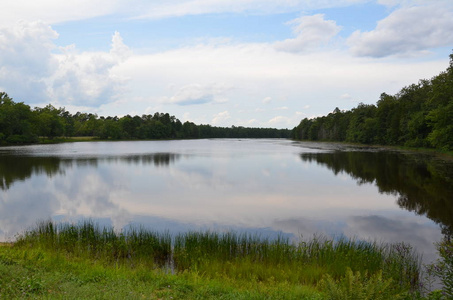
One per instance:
(388,228)
(13,169)
(19,168)
(36,188)
(243,185)
(421,183)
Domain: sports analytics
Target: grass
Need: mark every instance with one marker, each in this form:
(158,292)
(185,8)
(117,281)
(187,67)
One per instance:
(36,274)
(57,140)
(87,261)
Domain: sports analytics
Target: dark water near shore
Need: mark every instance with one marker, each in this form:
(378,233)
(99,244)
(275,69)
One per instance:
(269,187)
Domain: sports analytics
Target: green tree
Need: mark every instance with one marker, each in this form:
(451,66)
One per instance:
(362,126)
(49,122)
(190,130)
(440,117)
(420,115)
(110,129)
(16,121)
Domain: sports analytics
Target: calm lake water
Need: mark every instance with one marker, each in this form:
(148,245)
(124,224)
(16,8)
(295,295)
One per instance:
(268,187)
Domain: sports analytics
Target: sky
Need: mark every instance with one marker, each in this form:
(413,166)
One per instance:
(254,63)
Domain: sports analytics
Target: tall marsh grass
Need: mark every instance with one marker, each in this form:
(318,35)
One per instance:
(88,239)
(233,255)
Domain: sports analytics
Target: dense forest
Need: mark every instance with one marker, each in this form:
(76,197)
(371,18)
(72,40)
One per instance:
(19,124)
(420,115)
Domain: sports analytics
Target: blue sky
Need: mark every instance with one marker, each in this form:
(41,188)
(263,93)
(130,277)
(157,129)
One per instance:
(244,62)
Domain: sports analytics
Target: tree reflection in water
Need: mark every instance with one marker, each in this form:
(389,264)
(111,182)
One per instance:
(19,168)
(422,183)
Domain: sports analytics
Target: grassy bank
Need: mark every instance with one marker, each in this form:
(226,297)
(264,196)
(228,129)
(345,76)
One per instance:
(86,261)
(58,140)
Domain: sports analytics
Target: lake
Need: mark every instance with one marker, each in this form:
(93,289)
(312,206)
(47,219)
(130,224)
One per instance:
(266,186)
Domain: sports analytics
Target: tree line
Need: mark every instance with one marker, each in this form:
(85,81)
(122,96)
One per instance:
(19,124)
(420,115)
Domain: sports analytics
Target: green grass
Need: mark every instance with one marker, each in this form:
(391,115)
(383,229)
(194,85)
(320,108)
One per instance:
(57,140)
(37,274)
(86,261)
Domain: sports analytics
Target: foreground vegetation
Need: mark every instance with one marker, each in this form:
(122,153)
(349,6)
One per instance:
(420,115)
(86,261)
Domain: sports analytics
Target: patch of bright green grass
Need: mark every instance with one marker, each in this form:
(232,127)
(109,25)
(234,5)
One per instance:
(43,275)
(85,260)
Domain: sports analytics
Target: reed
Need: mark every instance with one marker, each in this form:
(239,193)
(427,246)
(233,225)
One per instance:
(88,239)
(231,255)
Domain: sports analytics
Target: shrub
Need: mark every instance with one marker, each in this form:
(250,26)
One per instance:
(443,268)
(357,286)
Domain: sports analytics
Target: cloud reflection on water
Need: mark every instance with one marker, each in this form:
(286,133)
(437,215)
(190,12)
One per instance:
(263,186)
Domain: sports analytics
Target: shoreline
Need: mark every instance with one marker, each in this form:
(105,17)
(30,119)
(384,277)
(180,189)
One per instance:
(438,152)
(85,258)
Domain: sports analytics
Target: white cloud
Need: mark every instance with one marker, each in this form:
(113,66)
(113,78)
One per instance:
(205,73)
(312,80)
(55,11)
(26,60)
(30,70)
(267,100)
(119,50)
(186,117)
(407,30)
(195,7)
(221,118)
(199,94)
(86,78)
(279,121)
(253,122)
(310,32)
(345,96)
